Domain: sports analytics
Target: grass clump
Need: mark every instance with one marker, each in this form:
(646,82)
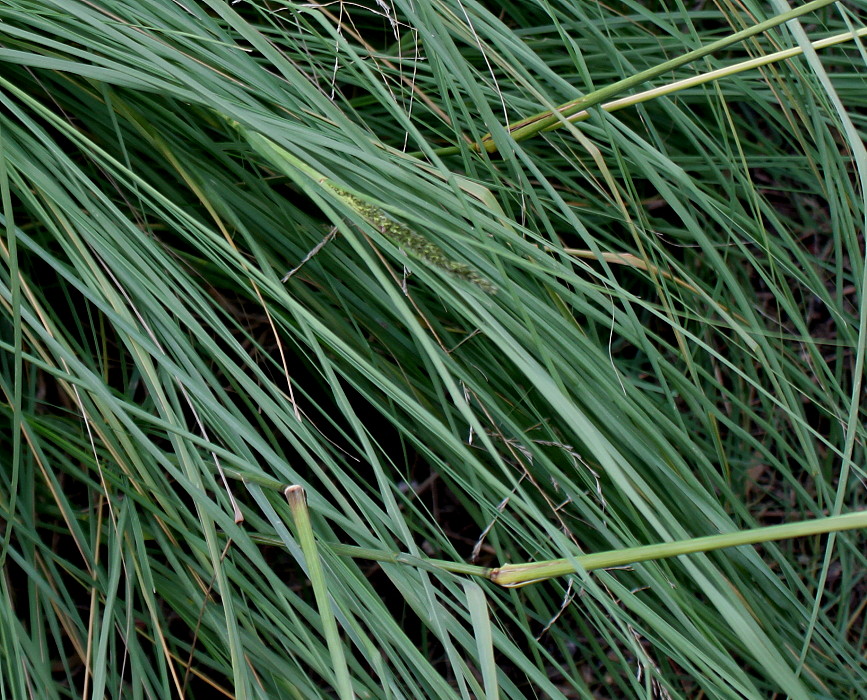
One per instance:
(675,348)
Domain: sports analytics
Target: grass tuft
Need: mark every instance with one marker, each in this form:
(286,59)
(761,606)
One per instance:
(494,283)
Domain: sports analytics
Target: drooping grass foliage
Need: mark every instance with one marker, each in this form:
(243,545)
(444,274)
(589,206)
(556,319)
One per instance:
(256,244)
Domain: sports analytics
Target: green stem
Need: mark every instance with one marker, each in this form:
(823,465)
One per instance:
(298,505)
(725,72)
(348,550)
(514,575)
(550,119)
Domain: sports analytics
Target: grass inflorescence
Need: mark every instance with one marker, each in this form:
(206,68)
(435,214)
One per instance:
(413,243)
